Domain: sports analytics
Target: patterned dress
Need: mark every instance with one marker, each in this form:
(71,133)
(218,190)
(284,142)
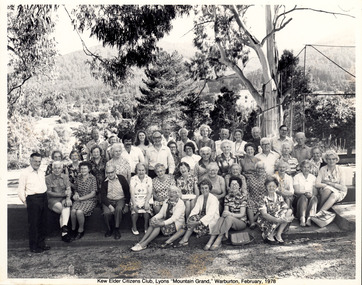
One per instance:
(170,229)
(201,229)
(257,191)
(235,202)
(85,188)
(186,184)
(275,207)
(161,187)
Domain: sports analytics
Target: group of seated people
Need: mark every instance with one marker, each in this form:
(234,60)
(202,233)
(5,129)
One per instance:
(181,186)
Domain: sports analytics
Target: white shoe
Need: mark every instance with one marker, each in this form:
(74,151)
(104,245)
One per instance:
(138,247)
(135,232)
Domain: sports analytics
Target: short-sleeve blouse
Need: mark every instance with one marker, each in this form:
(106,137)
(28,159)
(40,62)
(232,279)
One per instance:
(235,202)
(161,188)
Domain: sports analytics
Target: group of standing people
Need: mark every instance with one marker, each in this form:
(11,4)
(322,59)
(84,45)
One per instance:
(181,186)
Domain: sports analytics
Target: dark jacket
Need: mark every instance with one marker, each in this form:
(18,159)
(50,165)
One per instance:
(104,190)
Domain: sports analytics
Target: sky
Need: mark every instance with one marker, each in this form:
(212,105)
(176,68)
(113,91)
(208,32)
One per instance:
(306,28)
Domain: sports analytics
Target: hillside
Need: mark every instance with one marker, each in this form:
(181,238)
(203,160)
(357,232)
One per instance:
(72,76)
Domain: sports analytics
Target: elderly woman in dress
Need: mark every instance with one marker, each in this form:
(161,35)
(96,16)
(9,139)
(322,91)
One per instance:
(121,164)
(160,186)
(316,160)
(257,191)
(141,193)
(226,158)
(249,161)
(292,162)
(202,219)
(274,214)
(187,182)
(331,181)
(306,192)
(169,220)
(59,192)
(190,158)
(285,189)
(84,198)
(233,216)
(201,167)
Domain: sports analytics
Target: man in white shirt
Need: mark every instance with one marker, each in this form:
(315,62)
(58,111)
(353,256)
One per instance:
(267,156)
(157,153)
(131,153)
(32,192)
(277,141)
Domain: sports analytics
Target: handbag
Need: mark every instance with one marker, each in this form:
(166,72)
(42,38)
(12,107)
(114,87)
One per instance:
(323,218)
(241,238)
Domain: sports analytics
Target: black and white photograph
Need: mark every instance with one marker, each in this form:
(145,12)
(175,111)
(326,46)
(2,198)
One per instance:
(167,143)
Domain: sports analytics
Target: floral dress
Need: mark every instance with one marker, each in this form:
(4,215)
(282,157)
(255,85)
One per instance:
(257,191)
(201,229)
(84,188)
(170,229)
(275,207)
(186,184)
(161,188)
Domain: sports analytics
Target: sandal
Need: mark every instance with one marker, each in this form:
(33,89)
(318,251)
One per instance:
(165,245)
(181,244)
(252,226)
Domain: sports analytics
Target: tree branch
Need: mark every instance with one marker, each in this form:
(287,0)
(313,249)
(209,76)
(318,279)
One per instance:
(241,75)
(253,40)
(18,86)
(195,25)
(274,31)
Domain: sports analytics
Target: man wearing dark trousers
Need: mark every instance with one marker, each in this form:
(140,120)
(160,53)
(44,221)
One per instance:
(32,192)
(115,198)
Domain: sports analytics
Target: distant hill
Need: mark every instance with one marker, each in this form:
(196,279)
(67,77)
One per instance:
(73,76)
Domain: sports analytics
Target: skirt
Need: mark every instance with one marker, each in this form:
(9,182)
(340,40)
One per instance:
(87,206)
(200,230)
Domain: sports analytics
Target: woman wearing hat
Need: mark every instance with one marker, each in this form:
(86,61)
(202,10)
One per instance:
(331,181)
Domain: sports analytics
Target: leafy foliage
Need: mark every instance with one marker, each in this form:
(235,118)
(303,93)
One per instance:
(195,111)
(166,85)
(225,113)
(30,48)
(331,117)
(133,30)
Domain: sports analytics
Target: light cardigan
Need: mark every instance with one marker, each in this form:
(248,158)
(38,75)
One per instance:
(178,216)
(212,210)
